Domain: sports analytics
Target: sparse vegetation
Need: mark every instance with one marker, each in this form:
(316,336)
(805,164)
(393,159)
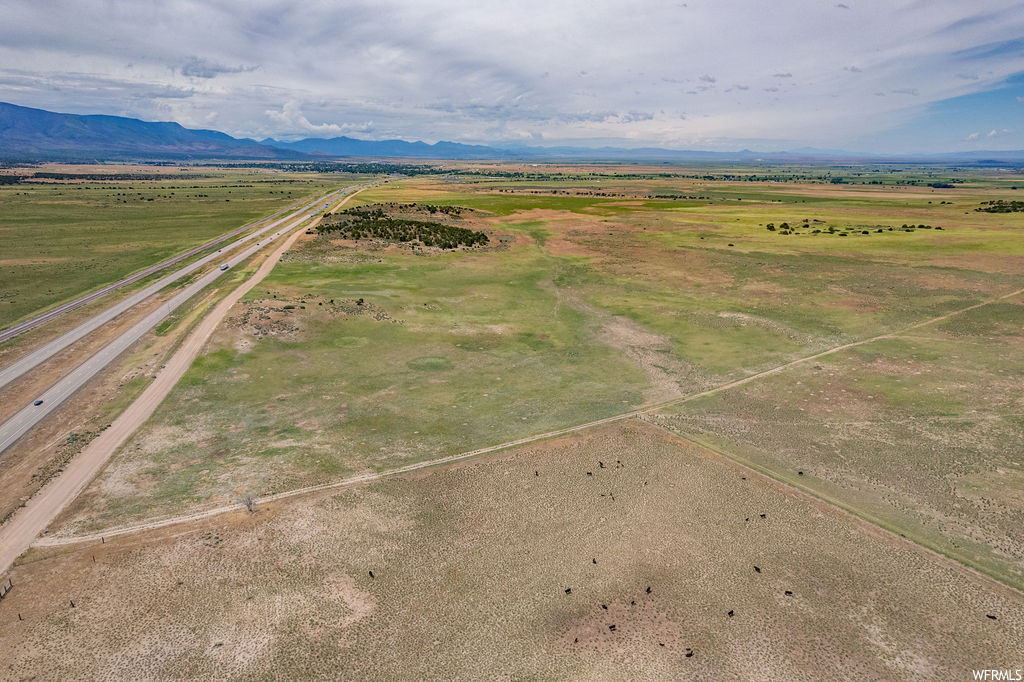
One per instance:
(1001,206)
(608,293)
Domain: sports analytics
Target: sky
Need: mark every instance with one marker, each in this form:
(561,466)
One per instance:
(881,76)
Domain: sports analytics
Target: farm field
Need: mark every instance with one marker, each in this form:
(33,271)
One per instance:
(668,561)
(66,235)
(817,352)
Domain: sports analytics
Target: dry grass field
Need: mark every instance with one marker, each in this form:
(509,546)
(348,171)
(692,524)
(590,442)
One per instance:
(668,551)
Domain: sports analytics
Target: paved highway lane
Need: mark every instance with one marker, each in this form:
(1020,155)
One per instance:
(48,350)
(21,422)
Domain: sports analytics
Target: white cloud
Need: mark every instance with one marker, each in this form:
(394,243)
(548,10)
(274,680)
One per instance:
(973,136)
(449,69)
(294,122)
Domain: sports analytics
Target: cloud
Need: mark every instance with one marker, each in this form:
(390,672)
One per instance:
(973,136)
(997,133)
(295,122)
(843,5)
(201,68)
(564,72)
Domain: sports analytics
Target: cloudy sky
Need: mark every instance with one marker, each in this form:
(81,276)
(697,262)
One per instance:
(879,75)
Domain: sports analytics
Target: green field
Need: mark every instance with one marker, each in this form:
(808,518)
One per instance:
(64,238)
(357,357)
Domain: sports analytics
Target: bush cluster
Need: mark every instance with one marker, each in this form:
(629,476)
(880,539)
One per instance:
(372,222)
(1001,206)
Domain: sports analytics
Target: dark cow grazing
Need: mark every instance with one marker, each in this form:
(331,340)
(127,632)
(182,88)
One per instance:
(764,516)
(689,654)
(594,560)
(633,602)
(731,613)
(789,593)
(743,478)
(757,569)
(661,644)
(576,641)
(799,473)
(747,519)
(589,474)
(600,463)
(612,628)
(568,590)
(648,589)
(536,473)
(72,603)
(371,574)
(990,616)
(604,606)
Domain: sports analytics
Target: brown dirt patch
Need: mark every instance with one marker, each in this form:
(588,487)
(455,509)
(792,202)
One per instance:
(471,564)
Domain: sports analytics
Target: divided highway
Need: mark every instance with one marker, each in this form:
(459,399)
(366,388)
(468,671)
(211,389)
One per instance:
(44,317)
(22,421)
(48,350)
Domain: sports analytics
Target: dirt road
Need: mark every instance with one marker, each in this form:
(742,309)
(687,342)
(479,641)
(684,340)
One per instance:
(632,414)
(21,530)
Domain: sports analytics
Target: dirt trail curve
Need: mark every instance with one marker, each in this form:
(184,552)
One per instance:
(640,412)
(20,531)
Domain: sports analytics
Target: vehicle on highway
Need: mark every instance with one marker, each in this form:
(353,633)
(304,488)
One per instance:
(38,403)
(224,266)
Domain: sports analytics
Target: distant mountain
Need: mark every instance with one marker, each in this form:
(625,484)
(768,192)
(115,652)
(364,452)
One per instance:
(35,134)
(348,146)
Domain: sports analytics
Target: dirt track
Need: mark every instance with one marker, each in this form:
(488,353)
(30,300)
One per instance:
(637,413)
(19,533)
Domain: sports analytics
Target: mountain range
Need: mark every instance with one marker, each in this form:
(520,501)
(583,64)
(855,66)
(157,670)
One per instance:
(35,134)
(28,134)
